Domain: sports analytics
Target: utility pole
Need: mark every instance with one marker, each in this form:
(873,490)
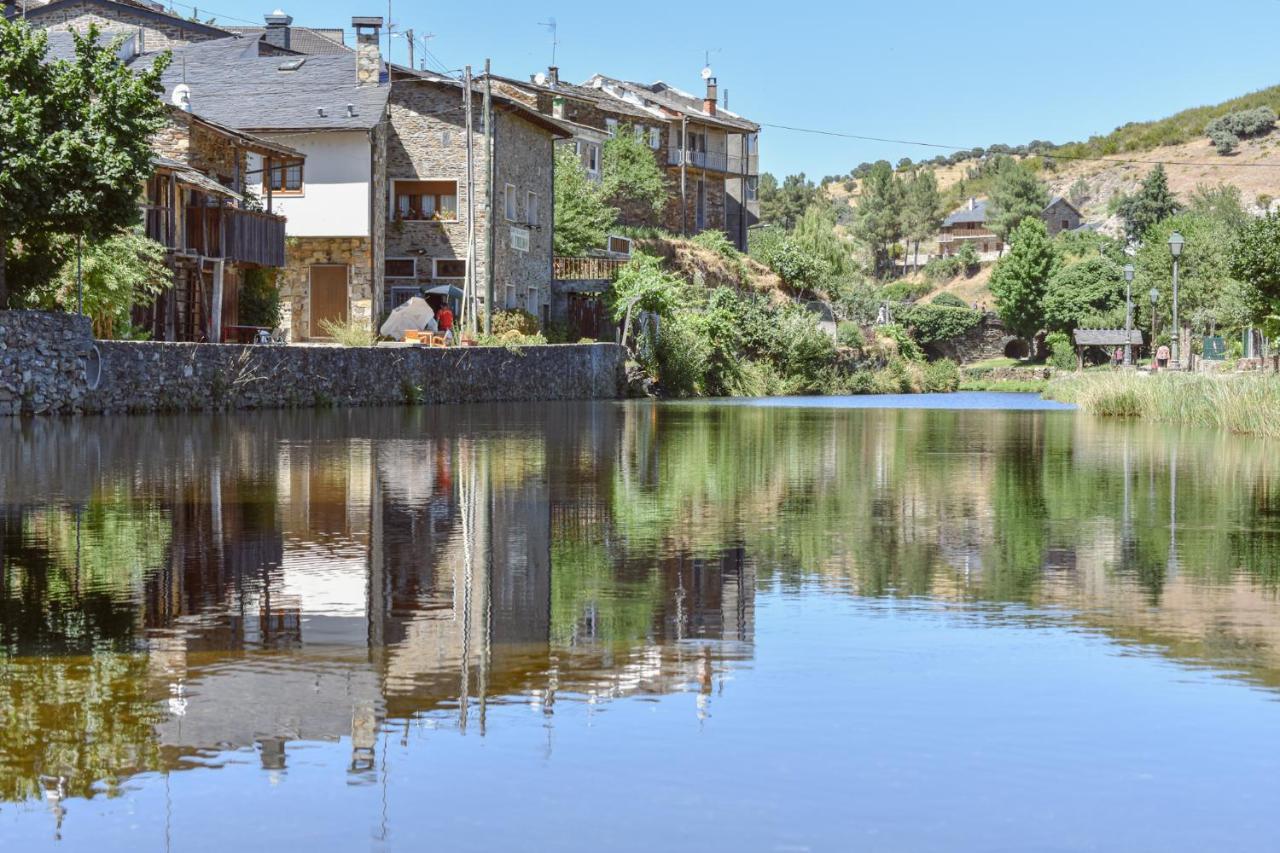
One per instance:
(490,170)
(469,290)
(408,37)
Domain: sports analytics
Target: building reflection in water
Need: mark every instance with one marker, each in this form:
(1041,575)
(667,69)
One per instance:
(299,579)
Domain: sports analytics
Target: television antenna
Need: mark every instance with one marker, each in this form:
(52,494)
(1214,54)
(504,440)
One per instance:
(550,24)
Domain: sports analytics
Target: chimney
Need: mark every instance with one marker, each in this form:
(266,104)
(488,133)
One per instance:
(277,29)
(709,102)
(368,56)
(553,76)
(973,202)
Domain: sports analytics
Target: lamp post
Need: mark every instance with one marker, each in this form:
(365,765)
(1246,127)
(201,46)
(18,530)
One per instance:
(1155,298)
(1128,315)
(1175,248)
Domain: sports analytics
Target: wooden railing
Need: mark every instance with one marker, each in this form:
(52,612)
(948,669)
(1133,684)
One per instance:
(246,236)
(587,269)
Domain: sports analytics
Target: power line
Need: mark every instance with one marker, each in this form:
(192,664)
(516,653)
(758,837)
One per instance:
(1050,154)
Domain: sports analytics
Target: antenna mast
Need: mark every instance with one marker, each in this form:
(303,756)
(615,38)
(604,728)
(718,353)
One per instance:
(550,24)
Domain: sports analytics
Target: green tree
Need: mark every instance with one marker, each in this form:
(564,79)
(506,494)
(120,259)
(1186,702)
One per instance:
(1021,278)
(1016,195)
(878,216)
(784,204)
(1087,293)
(117,273)
(799,267)
(74,139)
(923,209)
(260,298)
(582,217)
(816,232)
(630,177)
(1255,260)
(1152,203)
(1209,295)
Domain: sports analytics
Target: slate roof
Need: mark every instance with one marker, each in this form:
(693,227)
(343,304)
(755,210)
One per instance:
(308,40)
(977,214)
(188,175)
(113,9)
(61,43)
(232,85)
(1059,199)
(601,99)
(557,127)
(673,99)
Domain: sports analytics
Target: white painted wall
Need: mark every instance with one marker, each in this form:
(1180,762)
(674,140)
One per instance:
(335,184)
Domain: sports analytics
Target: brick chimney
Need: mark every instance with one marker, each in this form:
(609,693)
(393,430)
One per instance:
(553,76)
(368,54)
(709,102)
(277,29)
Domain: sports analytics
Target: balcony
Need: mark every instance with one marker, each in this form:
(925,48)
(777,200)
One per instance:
(243,236)
(711,161)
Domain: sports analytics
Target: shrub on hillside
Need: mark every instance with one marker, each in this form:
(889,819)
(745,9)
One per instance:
(681,356)
(941,376)
(943,269)
(903,344)
(716,241)
(906,291)
(948,300)
(1227,131)
(930,323)
(969,259)
(849,335)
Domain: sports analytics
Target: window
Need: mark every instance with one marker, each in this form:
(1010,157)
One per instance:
(1066,226)
(285,177)
(639,132)
(446,138)
(620,246)
(655,138)
(611,125)
(509,196)
(520,239)
(426,200)
(400,267)
(450,268)
(589,154)
(753,187)
(531,209)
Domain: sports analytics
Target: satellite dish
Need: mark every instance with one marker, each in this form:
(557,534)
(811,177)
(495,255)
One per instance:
(706,73)
(181,96)
(540,79)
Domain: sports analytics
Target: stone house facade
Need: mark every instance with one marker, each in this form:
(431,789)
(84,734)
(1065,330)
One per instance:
(1061,215)
(709,157)
(156,29)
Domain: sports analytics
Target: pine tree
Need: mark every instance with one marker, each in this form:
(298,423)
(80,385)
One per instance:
(1017,195)
(1021,278)
(923,209)
(878,217)
(1150,204)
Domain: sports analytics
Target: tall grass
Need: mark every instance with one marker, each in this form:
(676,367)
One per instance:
(1248,403)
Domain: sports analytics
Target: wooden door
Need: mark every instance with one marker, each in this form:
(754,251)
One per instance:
(328,296)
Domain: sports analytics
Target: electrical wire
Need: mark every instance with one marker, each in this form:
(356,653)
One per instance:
(1049,154)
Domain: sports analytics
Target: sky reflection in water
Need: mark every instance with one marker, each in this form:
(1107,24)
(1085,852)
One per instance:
(637,627)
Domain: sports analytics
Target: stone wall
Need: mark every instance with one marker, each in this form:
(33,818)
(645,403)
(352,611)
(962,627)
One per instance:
(47,362)
(356,253)
(524,158)
(988,339)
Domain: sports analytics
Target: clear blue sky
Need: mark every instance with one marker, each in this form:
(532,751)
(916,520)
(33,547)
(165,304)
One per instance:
(964,74)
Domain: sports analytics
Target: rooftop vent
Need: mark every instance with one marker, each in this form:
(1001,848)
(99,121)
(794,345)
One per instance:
(291,64)
(351,111)
(320,111)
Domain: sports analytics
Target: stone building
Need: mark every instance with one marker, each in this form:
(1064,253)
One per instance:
(1061,215)
(970,225)
(154,28)
(708,155)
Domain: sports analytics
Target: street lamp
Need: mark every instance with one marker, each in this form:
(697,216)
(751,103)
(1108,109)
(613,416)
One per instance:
(1175,248)
(1155,298)
(1128,315)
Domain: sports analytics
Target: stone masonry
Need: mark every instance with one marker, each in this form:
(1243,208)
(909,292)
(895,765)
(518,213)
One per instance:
(356,253)
(50,364)
(159,32)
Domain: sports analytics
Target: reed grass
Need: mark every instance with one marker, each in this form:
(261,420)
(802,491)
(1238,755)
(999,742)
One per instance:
(1243,403)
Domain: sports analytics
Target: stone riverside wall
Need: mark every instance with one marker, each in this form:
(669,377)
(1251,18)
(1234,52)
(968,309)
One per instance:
(48,361)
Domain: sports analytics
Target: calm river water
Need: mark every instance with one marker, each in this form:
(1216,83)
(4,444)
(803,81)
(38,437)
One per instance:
(779,626)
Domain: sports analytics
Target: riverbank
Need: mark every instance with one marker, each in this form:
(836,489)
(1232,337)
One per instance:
(50,365)
(1244,403)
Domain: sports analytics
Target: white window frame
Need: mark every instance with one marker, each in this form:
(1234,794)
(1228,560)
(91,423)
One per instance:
(510,204)
(531,209)
(638,130)
(608,243)
(399,277)
(519,239)
(655,138)
(611,127)
(435,269)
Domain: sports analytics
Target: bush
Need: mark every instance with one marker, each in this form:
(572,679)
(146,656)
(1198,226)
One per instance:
(968,258)
(260,298)
(1227,131)
(906,291)
(932,323)
(681,356)
(807,349)
(939,270)
(797,266)
(717,241)
(349,332)
(941,376)
(948,300)
(849,335)
(1061,352)
(514,320)
(904,345)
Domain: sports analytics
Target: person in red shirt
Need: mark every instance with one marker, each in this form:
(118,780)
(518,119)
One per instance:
(444,318)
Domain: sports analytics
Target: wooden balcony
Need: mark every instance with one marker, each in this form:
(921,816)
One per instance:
(243,236)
